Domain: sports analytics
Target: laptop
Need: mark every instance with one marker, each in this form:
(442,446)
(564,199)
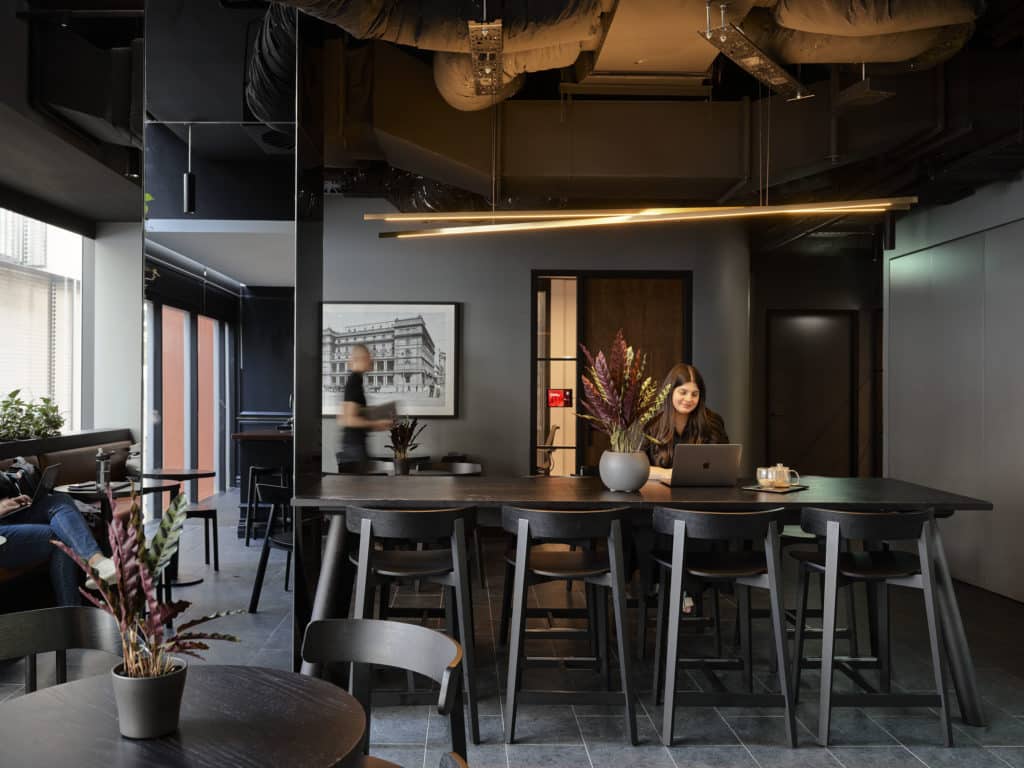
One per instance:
(707,465)
(44,487)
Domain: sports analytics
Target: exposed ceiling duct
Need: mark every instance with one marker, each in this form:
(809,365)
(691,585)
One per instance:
(649,46)
(537,35)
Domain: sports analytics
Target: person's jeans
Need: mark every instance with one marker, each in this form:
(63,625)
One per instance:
(29,544)
(29,533)
(60,513)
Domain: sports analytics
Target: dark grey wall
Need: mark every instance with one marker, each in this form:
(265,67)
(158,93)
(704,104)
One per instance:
(491,277)
(955,415)
(847,279)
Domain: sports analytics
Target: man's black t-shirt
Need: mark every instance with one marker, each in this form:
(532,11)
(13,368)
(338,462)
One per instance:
(353,439)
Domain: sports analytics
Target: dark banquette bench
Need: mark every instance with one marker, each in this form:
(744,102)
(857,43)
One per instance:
(76,454)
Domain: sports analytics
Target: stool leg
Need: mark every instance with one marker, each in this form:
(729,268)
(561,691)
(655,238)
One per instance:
(261,571)
(464,612)
(216,544)
(778,618)
(851,619)
(363,593)
(506,604)
(516,637)
(717,614)
(746,650)
(659,635)
(61,666)
(672,652)
(601,606)
(206,540)
(478,547)
(287,569)
(250,505)
(801,619)
(641,625)
(884,650)
(30,674)
(927,558)
(828,630)
(621,633)
(590,593)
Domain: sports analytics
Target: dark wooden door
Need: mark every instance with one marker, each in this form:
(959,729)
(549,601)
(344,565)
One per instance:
(811,399)
(652,313)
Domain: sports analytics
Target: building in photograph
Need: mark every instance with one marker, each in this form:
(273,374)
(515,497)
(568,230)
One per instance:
(405,359)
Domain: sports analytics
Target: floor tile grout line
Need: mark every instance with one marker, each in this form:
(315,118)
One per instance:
(994,751)
(579,729)
(497,669)
(741,741)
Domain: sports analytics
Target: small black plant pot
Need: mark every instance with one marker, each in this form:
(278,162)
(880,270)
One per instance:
(148,707)
(401,466)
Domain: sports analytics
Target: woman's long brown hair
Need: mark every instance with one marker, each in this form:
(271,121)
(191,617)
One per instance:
(703,425)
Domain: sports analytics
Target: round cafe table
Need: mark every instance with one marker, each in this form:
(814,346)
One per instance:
(178,476)
(230,716)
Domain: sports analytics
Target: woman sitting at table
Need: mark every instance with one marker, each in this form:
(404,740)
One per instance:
(684,419)
(30,531)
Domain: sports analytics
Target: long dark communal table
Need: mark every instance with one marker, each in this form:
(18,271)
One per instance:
(333,492)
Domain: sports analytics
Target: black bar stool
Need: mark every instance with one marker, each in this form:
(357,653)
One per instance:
(208,514)
(878,569)
(447,567)
(745,569)
(460,469)
(279,498)
(597,568)
(259,475)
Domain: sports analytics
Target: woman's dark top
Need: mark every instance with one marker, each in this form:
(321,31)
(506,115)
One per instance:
(717,435)
(353,439)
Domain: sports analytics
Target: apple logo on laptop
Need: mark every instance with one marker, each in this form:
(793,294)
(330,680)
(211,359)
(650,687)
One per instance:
(707,465)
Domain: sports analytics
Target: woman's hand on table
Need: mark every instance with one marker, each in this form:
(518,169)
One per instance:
(660,473)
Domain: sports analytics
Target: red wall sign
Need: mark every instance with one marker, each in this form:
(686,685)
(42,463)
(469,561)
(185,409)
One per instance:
(559,398)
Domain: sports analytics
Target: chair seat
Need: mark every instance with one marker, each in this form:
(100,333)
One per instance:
(556,561)
(401,563)
(200,511)
(866,566)
(718,565)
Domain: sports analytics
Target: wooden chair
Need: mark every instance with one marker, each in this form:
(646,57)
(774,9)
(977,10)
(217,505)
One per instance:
(448,567)
(29,633)
(878,569)
(367,642)
(745,569)
(598,568)
(279,498)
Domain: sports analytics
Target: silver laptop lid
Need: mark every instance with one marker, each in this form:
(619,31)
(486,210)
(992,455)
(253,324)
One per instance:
(707,464)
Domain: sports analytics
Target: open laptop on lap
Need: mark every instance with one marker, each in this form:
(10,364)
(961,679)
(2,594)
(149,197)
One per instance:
(707,465)
(44,487)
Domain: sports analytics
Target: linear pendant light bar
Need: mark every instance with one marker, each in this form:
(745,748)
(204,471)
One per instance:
(596,219)
(897,203)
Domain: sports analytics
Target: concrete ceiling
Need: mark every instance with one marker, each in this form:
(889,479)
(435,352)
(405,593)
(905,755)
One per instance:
(255,253)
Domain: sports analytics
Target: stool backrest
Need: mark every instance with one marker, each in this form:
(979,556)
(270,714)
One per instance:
(889,526)
(373,642)
(274,494)
(719,525)
(413,524)
(563,524)
(27,633)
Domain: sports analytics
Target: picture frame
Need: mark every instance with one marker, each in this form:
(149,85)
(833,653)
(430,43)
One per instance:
(415,350)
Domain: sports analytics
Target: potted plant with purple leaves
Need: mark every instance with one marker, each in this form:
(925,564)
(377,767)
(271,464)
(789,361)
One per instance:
(403,440)
(620,400)
(149,681)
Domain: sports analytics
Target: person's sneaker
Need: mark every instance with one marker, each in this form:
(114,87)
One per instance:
(105,570)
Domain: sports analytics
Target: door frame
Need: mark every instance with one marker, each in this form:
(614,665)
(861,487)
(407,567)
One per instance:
(685,275)
(854,316)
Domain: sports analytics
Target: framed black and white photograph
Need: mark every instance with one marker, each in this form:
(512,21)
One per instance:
(414,349)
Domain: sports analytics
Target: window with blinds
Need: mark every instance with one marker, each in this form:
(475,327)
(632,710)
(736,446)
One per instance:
(40,314)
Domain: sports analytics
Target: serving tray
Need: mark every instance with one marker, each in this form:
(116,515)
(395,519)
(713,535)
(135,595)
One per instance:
(759,489)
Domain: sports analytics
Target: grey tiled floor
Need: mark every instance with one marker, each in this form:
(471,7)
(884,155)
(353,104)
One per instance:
(592,737)
(265,637)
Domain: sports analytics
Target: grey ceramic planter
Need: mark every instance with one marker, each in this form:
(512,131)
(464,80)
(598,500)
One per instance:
(624,471)
(148,707)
